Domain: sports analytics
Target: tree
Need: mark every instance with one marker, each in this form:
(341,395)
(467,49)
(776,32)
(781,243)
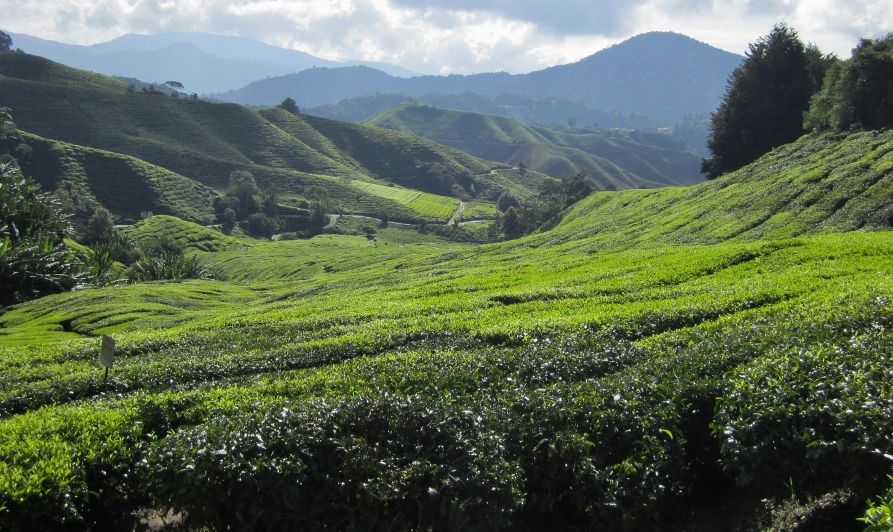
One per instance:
(511,225)
(100,227)
(271,203)
(229,220)
(174,86)
(290,105)
(5,42)
(506,200)
(261,226)
(764,103)
(320,196)
(857,93)
(243,188)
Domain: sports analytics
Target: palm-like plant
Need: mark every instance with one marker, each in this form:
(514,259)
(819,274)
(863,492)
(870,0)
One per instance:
(34,260)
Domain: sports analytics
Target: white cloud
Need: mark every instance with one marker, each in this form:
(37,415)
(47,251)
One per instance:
(461,36)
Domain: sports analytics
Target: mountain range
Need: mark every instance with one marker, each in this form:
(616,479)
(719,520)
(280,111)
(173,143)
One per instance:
(662,75)
(203,62)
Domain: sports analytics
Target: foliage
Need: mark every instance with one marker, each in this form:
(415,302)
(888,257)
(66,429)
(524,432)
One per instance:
(879,515)
(506,201)
(6,124)
(553,198)
(857,93)
(34,260)
(390,450)
(100,227)
(290,106)
(764,104)
(5,42)
(260,225)
(167,266)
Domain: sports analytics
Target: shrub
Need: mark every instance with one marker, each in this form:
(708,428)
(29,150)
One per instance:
(260,225)
(371,462)
(879,515)
(34,260)
(168,266)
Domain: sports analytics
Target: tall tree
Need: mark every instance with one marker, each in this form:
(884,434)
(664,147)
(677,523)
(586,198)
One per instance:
(764,103)
(290,105)
(857,93)
(5,42)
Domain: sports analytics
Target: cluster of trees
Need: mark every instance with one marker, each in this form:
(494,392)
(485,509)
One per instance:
(784,89)
(553,197)
(256,210)
(244,201)
(5,42)
(857,93)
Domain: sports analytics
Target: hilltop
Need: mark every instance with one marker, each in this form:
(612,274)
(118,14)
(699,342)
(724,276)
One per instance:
(687,358)
(615,160)
(661,75)
(362,167)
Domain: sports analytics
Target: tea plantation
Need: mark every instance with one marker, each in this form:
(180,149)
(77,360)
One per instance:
(695,358)
(132,151)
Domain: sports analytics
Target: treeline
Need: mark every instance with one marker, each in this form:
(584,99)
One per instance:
(553,197)
(784,89)
(257,211)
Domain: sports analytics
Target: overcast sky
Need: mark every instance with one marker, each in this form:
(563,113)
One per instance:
(461,36)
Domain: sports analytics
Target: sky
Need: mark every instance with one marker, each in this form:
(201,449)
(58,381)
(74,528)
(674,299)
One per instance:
(455,36)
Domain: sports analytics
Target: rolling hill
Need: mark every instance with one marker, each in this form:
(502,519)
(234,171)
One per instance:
(524,108)
(203,62)
(663,76)
(204,142)
(615,160)
(696,358)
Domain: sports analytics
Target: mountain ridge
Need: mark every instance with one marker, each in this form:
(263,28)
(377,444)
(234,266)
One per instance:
(675,76)
(612,159)
(235,61)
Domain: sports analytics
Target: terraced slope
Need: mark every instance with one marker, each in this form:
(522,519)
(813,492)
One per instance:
(823,184)
(594,375)
(125,185)
(616,160)
(205,141)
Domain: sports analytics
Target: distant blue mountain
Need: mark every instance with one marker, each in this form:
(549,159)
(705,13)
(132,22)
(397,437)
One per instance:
(203,62)
(661,75)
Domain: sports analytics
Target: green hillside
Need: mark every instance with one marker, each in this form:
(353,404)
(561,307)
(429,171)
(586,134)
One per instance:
(183,233)
(125,185)
(205,141)
(688,358)
(615,159)
(819,184)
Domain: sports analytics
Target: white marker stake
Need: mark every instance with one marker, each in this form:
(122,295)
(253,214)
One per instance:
(107,355)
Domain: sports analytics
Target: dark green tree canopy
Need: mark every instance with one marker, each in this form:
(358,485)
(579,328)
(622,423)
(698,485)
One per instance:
(764,103)
(290,105)
(5,42)
(857,93)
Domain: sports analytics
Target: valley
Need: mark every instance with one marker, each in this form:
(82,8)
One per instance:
(322,324)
